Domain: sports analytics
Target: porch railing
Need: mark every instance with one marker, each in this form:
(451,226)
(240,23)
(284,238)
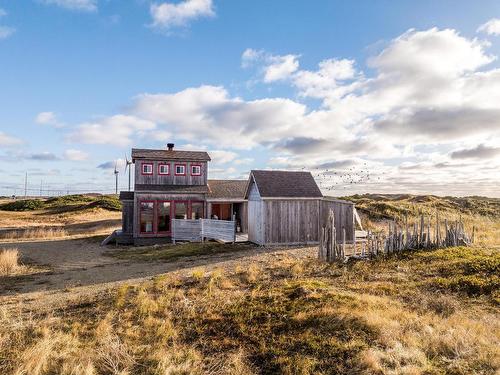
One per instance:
(198,230)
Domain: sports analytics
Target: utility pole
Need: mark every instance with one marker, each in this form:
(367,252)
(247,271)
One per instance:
(41,185)
(26,185)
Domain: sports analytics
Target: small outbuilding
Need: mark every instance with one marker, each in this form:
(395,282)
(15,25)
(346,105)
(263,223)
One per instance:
(283,207)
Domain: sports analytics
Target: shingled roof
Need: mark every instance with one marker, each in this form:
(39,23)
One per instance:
(286,184)
(227,189)
(142,153)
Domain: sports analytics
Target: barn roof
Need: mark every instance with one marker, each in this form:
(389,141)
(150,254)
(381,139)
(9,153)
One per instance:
(227,189)
(142,153)
(286,184)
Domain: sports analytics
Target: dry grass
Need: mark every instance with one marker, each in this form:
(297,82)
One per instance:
(35,233)
(288,315)
(9,262)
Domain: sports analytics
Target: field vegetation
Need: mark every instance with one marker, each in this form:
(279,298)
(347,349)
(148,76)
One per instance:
(58,217)
(421,312)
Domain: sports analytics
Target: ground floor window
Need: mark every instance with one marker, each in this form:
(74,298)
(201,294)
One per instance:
(181,210)
(197,210)
(164,214)
(147,217)
(155,217)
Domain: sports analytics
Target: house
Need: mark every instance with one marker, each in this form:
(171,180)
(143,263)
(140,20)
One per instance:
(168,184)
(273,207)
(283,207)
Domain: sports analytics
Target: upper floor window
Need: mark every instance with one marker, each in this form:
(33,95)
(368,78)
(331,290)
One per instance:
(163,169)
(180,169)
(195,170)
(147,168)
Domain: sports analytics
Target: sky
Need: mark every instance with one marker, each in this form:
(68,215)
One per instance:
(370,96)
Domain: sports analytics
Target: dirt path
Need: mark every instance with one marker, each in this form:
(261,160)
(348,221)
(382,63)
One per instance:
(79,268)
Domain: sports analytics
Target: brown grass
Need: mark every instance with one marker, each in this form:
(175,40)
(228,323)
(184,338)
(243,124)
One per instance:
(287,315)
(9,262)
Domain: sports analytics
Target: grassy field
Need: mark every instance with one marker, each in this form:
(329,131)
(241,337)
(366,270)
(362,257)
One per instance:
(59,217)
(424,312)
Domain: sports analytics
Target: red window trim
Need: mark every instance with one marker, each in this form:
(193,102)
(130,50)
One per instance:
(191,208)
(175,169)
(195,165)
(157,212)
(142,169)
(168,169)
(154,217)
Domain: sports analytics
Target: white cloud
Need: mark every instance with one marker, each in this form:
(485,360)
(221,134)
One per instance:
(434,53)
(6,31)
(208,113)
(75,155)
(281,68)
(169,15)
(3,12)
(48,118)
(274,67)
(116,130)
(492,27)
(9,141)
(77,5)
(222,156)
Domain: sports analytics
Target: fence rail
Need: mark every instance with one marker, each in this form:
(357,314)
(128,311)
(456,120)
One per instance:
(197,230)
(399,237)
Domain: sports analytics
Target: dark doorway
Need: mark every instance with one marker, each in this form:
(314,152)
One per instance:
(222,211)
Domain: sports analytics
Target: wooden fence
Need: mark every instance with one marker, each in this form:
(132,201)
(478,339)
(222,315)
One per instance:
(399,237)
(186,230)
(198,230)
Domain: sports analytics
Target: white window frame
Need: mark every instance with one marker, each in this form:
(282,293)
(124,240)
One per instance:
(183,166)
(145,167)
(193,173)
(160,166)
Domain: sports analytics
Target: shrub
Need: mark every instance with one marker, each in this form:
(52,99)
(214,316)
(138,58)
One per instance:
(9,261)
(23,205)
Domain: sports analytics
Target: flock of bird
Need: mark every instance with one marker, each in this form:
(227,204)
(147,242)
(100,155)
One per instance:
(329,179)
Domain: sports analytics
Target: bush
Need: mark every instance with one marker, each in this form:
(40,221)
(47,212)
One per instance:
(23,205)
(9,261)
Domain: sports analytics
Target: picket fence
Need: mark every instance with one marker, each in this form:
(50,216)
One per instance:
(399,237)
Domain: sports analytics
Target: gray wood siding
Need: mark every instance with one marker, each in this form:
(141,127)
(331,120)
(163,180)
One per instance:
(291,221)
(170,179)
(163,197)
(128,217)
(255,216)
(344,217)
(256,222)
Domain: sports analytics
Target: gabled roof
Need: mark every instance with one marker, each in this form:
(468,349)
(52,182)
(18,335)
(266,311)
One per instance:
(143,153)
(285,184)
(227,189)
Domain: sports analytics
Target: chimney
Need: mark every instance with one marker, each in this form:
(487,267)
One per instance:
(170,146)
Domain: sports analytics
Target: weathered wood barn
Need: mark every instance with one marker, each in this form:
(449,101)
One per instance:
(283,207)
(273,207)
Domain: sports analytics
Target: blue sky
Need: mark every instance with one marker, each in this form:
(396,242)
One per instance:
(361,93)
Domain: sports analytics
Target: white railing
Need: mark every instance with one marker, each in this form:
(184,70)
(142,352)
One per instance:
(197,230)
(186,230)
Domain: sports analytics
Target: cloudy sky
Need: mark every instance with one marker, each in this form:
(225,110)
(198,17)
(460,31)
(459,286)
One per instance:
(371,96)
